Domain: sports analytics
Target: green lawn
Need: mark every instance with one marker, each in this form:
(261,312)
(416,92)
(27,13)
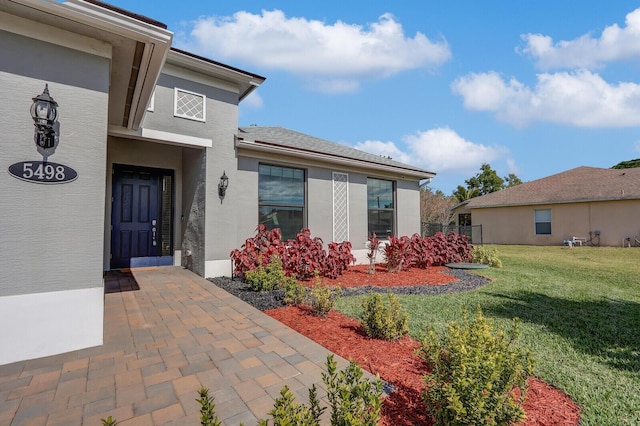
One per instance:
(580,312)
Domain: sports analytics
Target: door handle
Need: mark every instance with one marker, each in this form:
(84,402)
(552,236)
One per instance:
(153,233)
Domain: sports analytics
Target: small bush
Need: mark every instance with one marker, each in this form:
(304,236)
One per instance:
(395,253)
(208,415)
(338,259)
(354,400)
(294,292)
(286,410)
(486,257)
(474,372)
(267,278)
(323,298)
(384,320)
(109,421)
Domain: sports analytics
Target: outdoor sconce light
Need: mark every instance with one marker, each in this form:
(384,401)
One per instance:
(223,184)
(44,112)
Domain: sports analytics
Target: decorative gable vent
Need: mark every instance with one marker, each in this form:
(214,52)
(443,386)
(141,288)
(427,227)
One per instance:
(190,105)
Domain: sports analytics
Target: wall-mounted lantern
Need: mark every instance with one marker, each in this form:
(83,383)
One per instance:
(44,112)
(223,184)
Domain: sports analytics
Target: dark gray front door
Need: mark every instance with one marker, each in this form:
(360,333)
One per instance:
(137,216)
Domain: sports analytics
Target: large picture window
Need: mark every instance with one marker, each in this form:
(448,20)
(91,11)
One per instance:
(543,222)
(281,199)
(380,207)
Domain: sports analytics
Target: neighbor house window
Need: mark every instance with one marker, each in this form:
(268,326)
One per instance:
(380,207)
(190,105)
(281,199)
(543,222)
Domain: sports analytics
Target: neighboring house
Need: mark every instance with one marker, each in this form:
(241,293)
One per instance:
(128,165)
(596,206)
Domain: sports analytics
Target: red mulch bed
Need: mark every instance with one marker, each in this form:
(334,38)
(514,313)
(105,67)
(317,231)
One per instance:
(357,276)
(396,361)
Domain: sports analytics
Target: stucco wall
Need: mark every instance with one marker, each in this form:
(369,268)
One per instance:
(615,220)
(52,232)
(319,205)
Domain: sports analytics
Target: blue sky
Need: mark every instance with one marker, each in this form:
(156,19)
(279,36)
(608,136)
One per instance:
(531,87)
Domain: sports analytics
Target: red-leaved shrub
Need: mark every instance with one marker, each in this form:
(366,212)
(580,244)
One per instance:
(257,250)
(338,259)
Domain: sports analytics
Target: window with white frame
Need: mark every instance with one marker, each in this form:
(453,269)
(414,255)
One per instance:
(543,222)
(380,207)
(190,105)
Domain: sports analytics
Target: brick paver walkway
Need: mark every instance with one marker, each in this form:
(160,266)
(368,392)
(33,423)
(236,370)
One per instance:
(178,332)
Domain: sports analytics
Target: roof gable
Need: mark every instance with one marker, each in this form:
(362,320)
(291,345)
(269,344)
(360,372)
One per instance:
(581,184)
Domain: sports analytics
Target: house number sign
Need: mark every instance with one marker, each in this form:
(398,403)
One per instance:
(44,112)
(43,172)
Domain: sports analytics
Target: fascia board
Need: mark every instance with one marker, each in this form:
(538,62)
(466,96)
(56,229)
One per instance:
(319,157)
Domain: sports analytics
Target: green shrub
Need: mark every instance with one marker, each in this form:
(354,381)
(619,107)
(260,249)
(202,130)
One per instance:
(382,320)
(287,412)
(473,371)
(207,408)
(109,421)
(323,298)
(267,278)
(486,257)
(294,292)
(353,400)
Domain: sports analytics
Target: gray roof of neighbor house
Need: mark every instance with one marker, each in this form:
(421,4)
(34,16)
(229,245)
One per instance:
(581,184)
(292,142)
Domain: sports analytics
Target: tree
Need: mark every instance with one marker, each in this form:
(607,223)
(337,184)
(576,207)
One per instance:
(627,164)
(435,207)
(511,180)
(463,194)
(487,181)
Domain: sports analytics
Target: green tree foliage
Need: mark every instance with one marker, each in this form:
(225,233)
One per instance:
(484,182)
(627,164)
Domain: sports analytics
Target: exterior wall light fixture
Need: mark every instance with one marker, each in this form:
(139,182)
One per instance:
(44,112)
(223,184)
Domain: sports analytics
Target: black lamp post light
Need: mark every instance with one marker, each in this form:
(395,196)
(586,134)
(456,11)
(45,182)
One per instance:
(223,184)
(44,112)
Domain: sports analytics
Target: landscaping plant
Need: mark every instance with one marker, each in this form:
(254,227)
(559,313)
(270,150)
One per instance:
(395,253)
(353,400)
(382,320)
(338,259)
(257,250)
(208,415)
(487,257)
(374,245)
(477,375)
(288,412)
(323,298)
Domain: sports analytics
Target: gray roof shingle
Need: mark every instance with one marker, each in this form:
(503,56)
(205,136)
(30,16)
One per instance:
(576,185)
(280,136)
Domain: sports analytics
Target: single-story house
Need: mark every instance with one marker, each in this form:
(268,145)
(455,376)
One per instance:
(119,151)
(585,205)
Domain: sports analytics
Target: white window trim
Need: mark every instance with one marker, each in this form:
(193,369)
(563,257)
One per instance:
(152,102)
(175,105)
(535,222)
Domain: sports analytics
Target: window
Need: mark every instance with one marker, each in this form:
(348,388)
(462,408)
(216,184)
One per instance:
(380,207)
(543,222)
(281,199)
(190,105)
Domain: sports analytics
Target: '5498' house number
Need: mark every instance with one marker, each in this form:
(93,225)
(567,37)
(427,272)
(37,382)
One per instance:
(43,172)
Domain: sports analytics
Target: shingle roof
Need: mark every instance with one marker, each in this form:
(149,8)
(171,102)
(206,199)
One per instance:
(282,137)
(576,185)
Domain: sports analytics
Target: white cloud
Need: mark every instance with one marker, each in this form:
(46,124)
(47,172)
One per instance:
(439,150)
(587,51)
(637,146)
(336,55)
(580,98)
(253,100)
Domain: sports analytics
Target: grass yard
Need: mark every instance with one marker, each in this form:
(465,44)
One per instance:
(580,315)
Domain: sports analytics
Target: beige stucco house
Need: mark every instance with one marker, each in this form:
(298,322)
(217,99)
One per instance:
(590,205)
